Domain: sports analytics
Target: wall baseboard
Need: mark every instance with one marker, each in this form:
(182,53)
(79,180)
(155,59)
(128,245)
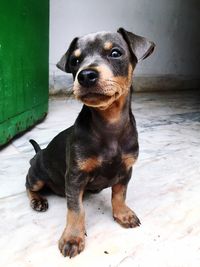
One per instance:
(166,82)
(62,84)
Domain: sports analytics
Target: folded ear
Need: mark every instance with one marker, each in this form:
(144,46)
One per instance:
(63,63)
(139,46)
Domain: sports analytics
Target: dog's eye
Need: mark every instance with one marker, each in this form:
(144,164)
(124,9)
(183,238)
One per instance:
(74,61)
(115,53)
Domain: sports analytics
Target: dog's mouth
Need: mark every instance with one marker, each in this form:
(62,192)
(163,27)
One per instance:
(98,96)
(91,96)
(103,94)
(99,100)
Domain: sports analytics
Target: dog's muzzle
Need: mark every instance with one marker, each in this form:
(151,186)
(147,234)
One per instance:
(96,87)
(88,77)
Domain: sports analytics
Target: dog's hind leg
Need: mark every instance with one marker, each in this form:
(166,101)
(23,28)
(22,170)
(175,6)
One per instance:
(37,202)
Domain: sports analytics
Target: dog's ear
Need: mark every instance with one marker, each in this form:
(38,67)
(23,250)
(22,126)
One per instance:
(63,63)
(139,46)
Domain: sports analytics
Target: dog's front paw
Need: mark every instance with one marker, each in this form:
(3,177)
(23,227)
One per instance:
(71,246)
(126,217)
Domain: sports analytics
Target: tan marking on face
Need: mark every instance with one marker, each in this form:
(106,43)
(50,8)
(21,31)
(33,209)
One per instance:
(77,53)
(124,82)
(108,90)
(128,160)
(105,72)
(112,114)
(108,45)
(106,93)
(89,164)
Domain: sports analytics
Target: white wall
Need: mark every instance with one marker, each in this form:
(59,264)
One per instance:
(172,24)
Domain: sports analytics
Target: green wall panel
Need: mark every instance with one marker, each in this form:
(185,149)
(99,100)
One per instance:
(24,49)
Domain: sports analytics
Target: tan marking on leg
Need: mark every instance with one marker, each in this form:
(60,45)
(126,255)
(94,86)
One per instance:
(118,195)
(72,241)
(128,160)
(32,195)
(37,202)
(108,45)
(89,164)
(38,185)
(122,213)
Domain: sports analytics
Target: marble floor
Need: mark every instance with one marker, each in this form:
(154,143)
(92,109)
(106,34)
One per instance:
(164,192)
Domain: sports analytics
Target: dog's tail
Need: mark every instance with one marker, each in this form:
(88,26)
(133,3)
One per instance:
(35,145)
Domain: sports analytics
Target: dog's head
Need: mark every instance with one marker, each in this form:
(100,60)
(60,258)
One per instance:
(102,65)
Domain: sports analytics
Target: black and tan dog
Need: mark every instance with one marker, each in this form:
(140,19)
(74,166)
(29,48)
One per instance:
(98,151)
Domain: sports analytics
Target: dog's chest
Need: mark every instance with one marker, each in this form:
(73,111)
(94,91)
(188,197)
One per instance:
(108,174)
(111,169)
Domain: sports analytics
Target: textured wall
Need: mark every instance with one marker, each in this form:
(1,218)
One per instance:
(173,25)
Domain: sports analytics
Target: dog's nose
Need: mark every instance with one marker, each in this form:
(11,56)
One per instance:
(88,77)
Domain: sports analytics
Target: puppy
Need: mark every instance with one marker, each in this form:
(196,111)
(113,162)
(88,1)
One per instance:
(99,150)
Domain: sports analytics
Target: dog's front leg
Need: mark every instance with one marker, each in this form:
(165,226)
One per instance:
(121,212)
(72,241)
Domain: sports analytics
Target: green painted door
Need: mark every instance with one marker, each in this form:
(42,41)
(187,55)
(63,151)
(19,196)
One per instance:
(24,49)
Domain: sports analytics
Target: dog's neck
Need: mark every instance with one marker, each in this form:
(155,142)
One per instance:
(116,117)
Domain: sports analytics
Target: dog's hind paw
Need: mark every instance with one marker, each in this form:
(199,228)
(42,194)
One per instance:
(39,204)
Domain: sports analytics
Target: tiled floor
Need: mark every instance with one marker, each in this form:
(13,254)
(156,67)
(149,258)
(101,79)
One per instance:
(164,192)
